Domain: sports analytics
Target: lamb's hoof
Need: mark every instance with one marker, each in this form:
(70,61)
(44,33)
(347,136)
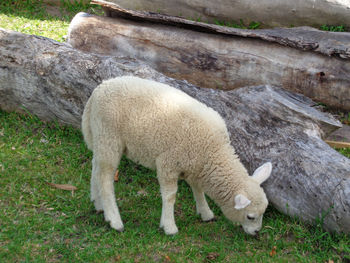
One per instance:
(207,217)
(98,205)
(170,231)
(213,219)
(118,227)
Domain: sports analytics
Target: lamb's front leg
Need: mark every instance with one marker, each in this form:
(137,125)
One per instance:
(202,206)
(168,189)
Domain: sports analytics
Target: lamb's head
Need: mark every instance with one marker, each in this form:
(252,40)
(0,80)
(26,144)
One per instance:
(250,203)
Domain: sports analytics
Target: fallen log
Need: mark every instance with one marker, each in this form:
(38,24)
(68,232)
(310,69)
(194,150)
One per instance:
(309,180)
(337,144)
(309,61)
(308,39)
(270,13)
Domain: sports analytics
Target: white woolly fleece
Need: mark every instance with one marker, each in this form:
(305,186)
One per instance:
(163,128)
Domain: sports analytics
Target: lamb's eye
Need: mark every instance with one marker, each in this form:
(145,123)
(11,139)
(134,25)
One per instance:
(250,217)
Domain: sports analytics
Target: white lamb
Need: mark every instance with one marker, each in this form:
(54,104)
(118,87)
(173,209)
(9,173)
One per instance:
(163,128)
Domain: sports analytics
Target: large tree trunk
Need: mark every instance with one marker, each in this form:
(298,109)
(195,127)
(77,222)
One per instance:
(308,61)
(336,44)
(271,13)
(309,179)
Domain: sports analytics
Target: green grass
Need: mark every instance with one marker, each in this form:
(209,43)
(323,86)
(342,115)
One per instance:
(42,224)
(345,151)
(340,28)
(31,17)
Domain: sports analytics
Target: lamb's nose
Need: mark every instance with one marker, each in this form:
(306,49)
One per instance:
(256,232)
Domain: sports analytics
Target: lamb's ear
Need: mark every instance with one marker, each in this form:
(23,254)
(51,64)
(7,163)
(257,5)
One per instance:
(241,201)
(262,173)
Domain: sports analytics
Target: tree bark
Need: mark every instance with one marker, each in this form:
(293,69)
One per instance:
(270,13)
(308,61)
(309,179)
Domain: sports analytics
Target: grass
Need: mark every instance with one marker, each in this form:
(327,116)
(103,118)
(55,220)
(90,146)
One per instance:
(345,151)
(340,28)
(40,223)
(31,17)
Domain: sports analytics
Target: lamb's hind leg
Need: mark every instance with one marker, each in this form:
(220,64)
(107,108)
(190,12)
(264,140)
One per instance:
(105,162)
(202,206)
(94,191)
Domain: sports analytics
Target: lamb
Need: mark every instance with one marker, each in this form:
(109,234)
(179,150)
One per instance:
(164,129)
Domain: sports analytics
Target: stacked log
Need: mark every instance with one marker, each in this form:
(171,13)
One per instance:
(271,13)
(303,60)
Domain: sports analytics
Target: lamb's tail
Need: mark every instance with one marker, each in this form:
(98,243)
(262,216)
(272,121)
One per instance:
(85,124)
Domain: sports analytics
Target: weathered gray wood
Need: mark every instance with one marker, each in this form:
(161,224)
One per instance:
(271,13)
(54,81)
(307,40)
(226,62)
